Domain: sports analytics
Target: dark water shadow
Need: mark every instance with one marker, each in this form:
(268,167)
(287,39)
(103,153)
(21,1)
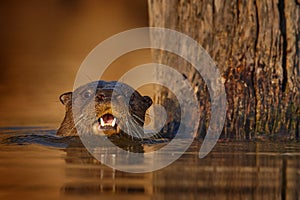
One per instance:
(47,137)
(35,135)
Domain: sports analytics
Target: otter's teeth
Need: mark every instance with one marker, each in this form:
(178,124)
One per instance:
(113,122)
(102,122)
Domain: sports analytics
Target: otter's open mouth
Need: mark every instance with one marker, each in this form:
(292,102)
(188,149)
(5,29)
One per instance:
(107,121)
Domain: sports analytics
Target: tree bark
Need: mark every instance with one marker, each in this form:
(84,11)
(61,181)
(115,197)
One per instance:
(256,45)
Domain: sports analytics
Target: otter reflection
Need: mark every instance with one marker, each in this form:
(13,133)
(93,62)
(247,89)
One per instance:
(91,177)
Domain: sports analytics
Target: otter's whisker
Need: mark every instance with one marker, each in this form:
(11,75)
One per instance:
(73,128)
(137,130)
(138,118)
(128,127)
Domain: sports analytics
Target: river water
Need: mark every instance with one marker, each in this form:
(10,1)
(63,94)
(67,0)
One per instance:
(36,164)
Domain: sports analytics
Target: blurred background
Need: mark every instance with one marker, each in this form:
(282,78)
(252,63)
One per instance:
(43,44)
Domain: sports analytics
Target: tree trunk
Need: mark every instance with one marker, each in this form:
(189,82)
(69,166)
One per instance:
(256,45)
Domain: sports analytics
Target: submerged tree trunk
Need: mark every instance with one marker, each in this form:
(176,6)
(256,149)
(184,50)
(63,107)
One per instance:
(256,45)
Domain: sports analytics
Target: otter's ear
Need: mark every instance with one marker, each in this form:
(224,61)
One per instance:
(148,101)
(65,98)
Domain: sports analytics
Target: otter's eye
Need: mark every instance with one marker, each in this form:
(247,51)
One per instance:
(87,94)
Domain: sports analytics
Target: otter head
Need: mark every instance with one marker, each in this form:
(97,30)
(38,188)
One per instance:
(110,108)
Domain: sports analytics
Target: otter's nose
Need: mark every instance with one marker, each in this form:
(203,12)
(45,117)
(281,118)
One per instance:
(103,96)
(100,97)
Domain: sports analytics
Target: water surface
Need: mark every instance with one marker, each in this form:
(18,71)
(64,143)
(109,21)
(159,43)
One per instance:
(36,164)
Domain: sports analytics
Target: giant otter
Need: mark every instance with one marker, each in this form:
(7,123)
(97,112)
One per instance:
(98,114)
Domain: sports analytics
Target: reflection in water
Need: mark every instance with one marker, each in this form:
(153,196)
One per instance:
(234,170)
(93,178)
